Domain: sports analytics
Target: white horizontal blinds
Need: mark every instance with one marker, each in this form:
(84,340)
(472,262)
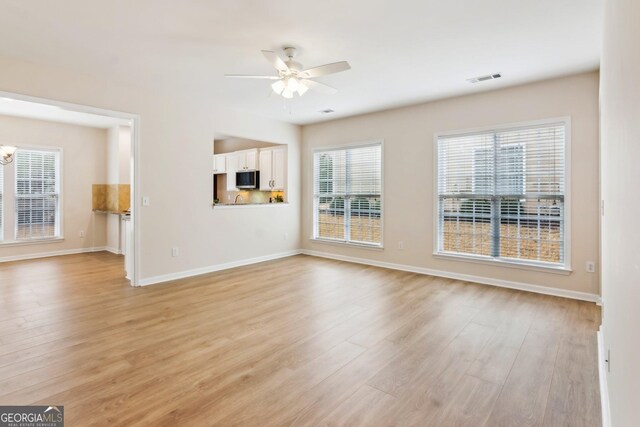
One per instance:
(501,193)
(466,182)
(36,194)
(531,186)
(330,189)
(347,194)
(364,189)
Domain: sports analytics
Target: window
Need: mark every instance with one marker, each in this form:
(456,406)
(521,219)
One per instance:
(347,189)
(501,194)
(37,194)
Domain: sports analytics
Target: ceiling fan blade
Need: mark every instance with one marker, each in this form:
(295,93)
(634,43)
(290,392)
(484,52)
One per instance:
(275,60)
(245,76)
(323,70)
(320,87)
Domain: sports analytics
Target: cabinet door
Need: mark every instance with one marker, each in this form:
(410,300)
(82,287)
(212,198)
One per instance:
(279,168)
(265,170)
(240,160)
(232,167)
(251,160)
(220,163)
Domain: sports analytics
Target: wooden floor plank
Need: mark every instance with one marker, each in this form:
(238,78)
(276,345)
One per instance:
(357,409)
(523,399)
(297,341)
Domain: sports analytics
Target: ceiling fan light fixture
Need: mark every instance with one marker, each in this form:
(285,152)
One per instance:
(278,86)
(302,88)
(292,84)
(6,154)
(292,78)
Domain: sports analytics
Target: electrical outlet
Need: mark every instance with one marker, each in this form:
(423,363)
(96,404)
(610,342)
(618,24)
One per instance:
(591,267)
(175,252)
(81,234)
(401,245)
(146,201)
(285,236)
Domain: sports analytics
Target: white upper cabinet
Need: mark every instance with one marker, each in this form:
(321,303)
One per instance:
(273,169)
(247,159)
(219,163)
(279,171)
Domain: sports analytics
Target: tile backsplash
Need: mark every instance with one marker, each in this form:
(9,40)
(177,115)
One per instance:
(111,197)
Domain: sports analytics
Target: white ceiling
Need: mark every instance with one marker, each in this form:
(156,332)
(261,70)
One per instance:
(33,110)
(401,51)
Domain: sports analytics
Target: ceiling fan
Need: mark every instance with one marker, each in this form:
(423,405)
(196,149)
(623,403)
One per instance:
(292,78)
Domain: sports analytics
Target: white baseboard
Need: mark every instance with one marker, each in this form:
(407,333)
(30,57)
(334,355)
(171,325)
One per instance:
(602,376)
(114,251)
(50,254)
(212,268)
(413,269)
(465,277)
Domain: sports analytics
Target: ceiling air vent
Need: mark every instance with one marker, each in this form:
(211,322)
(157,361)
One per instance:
(484,78)
(327,111)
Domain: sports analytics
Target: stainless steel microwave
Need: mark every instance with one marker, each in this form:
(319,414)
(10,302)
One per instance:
(247,179)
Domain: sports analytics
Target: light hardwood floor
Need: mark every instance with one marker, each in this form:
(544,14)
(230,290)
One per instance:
(298,341)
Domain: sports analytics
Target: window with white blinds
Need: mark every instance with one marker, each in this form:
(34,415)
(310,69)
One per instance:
(37,194)
(347,189)
(501,194)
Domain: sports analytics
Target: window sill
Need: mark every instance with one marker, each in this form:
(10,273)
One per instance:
(564,270)
(347,244)
(32,242)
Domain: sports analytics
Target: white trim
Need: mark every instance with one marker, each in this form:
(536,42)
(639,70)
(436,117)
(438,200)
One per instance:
(504,262)
(602,377)
(503,126)
(28,242)
(114,251)
(135,163)
(136,200)
(583,296)
(51,254)
(212,268)
(566,120)
(339,242)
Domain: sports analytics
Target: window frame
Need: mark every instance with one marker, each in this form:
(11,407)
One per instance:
(565,267)
(11,192)
(314,228)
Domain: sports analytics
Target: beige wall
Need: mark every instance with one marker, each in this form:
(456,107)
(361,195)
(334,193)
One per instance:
(230,145)
(408,173)
(84,152)
(620,106)
(176,130)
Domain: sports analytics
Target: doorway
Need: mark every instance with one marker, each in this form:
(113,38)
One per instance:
(40,109)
